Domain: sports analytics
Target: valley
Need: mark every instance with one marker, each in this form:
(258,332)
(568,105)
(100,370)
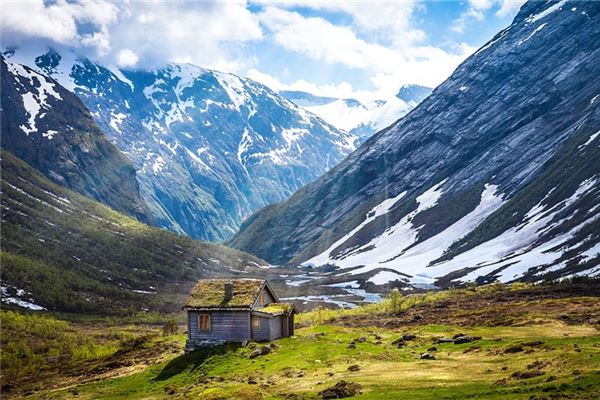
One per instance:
(403,209)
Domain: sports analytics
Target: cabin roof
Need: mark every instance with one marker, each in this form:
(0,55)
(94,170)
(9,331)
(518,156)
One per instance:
(210,293)
(276,309)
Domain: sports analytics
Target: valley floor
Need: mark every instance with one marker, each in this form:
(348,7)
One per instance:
(536,342)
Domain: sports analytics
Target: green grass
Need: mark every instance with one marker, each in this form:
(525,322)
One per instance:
(31,343)
(566,364)
(386,371)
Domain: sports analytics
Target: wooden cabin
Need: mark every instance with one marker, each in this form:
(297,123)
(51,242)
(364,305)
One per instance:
(235,310)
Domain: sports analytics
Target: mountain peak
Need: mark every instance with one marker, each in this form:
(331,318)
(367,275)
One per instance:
(413,93)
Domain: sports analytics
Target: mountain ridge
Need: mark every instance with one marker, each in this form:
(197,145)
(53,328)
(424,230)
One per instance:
(231,144)
(358,117)
(403,201)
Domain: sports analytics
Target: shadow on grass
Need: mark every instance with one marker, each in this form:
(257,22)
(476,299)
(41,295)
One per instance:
(193,360)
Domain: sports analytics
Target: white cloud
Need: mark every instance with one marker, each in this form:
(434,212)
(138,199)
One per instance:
(477,9)
(204,33)
(341,90)
(201,33)
(390,21)
(425,65)
(127,58)
(59,22)
(509,7)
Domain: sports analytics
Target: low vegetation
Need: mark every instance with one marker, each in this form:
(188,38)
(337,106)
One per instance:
(545,346)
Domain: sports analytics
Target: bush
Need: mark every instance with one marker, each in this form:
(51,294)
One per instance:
(31,343)
(170,328)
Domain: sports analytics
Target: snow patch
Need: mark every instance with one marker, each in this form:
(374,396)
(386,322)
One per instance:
(536,30)
(116,120)
(234,87)
(378,210)
(590,140)
(19,293)
(383,277)
(556,6)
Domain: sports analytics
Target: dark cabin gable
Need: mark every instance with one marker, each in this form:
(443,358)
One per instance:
(226,310)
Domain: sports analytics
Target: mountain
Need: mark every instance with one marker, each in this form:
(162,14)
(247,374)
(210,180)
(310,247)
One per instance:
(494,176)
(413,93)
(64,252)
(344,114)
(361,119)
(50,128)
(209,147)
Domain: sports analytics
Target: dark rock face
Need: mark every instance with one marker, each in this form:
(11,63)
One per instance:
(209,148)
(49,128)
(494,176)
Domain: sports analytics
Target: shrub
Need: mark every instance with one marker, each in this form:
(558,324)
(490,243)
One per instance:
(170,328)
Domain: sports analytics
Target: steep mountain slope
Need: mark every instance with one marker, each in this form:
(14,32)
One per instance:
(209,147)
(50,128)
(493,176)
(361,118)
(62,251)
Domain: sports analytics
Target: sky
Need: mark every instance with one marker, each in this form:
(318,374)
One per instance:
(352,49)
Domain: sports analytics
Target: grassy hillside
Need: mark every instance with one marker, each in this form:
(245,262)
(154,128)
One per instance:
(65,252)
(536,342)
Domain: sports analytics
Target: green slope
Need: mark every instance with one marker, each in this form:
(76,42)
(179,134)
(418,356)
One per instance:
(66,252)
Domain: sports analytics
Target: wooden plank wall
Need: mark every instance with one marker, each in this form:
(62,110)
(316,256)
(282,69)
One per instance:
(225,325)
(264,332)
(275,327)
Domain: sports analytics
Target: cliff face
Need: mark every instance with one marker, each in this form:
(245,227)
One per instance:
(50,128)
(494,175)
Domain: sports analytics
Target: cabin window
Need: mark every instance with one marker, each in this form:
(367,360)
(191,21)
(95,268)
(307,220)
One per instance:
(204,322)
(263,298)
(255,322)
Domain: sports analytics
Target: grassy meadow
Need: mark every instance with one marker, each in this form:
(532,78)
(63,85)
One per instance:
(536,342)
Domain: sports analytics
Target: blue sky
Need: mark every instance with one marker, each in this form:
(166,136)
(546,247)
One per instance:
(361,49)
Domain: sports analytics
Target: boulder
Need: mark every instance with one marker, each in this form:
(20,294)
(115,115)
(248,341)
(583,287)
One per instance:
(427,356)
(416,318)
(260,352)
(466,339)
(515,348)
(341,390)
(409,336)
(354,368)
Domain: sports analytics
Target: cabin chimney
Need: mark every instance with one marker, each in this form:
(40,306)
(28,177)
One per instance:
(228,290)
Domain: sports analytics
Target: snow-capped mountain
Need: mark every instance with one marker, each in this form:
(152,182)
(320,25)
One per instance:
(361,118)
(49,127)
(209,147)
(494,176)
